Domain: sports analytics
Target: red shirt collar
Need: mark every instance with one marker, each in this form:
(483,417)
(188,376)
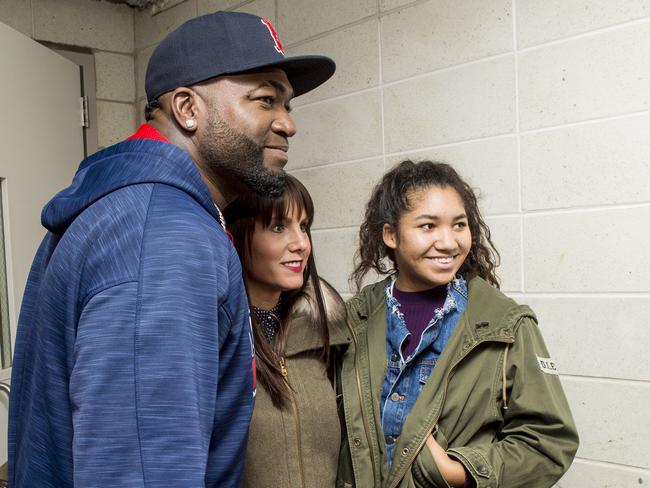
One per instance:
(146,131)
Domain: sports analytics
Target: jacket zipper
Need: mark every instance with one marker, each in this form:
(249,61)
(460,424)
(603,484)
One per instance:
(366,425)
(296,416)
(402,472)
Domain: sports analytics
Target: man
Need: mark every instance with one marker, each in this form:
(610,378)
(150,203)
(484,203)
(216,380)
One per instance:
(133,363)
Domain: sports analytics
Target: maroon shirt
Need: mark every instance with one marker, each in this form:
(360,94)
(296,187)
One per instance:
(418,308)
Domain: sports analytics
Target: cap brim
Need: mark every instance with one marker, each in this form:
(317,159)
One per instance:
(305,72)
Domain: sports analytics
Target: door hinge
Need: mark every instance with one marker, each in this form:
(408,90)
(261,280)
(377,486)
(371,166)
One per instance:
(83,105)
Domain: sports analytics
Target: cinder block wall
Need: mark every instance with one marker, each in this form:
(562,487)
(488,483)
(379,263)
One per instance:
(104,28)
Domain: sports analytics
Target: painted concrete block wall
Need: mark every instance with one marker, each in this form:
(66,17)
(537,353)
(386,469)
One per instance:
(106,29)
(544,107)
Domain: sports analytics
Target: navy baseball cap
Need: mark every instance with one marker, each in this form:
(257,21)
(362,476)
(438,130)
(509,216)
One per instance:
(228,43)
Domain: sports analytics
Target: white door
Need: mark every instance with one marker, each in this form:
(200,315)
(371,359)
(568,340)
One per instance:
(41,144)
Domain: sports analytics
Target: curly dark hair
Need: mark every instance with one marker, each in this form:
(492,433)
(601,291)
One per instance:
(390,199)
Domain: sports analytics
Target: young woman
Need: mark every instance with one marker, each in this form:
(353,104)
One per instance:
(448,381)
(298,322)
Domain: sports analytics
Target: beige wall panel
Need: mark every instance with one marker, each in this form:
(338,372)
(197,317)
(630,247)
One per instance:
(453,105)
(172,3)
(99,25)
(589,474)
(343,129)
(301,19)
(506,235)
(590,251)
(141,60)
(115,122)
(356,53)
(612,420)
(150,29)
(489,166)
(334,250)
(590,164)
(261,8)
(538,22)
(115,77)
(596,76)
(391,4)
(17,14)
(340,192)
(209,6)
(139,116)
(575,327)
(441,33)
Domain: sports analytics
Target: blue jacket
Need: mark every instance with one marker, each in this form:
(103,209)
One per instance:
(133,358)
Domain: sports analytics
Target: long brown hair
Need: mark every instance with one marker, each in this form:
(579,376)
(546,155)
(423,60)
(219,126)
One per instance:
(241,216)
(389,201)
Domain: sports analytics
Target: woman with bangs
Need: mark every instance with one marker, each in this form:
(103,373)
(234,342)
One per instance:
(297,320)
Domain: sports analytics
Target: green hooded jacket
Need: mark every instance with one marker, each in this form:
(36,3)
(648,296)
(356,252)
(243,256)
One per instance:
(494,401)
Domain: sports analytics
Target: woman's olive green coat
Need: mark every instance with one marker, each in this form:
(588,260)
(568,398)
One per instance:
(507,435)
(298,446)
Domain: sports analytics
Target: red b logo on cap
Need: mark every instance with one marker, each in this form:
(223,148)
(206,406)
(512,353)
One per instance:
(274,35)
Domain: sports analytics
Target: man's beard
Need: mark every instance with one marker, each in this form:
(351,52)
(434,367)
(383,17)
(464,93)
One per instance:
(233,155)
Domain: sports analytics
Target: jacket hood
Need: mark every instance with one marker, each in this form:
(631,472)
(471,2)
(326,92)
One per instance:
(486,307)
(130,162)
(306,305)
(305,309)
(489,309)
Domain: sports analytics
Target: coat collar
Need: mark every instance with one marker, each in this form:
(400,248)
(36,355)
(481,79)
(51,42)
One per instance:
(303,334)
(489,313)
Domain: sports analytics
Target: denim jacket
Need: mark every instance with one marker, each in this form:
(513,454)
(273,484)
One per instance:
(405,377)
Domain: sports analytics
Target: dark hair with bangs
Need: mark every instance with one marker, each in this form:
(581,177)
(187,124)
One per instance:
(241,216)
(389,201)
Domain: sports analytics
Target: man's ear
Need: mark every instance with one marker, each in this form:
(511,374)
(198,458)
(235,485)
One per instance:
(389,234)
(184,108)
